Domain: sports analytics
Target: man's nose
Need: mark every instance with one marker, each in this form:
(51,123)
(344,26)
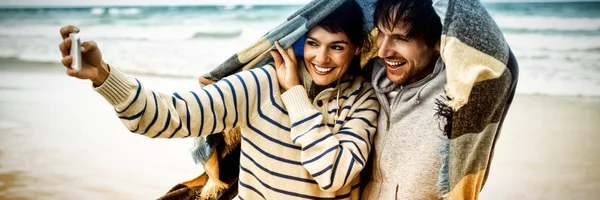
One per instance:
(385,48)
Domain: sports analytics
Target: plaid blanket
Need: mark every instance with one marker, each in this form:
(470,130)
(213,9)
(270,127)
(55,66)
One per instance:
(478,89)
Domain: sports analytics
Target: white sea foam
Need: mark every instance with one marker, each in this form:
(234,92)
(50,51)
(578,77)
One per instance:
(124,11)
(97,11)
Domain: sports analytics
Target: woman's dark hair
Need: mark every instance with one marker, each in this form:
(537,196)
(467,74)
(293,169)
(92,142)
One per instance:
(418,15)
(348,19)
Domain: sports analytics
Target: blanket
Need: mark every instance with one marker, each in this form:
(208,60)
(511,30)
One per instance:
(478,90)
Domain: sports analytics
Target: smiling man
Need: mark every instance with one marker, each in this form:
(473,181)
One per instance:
(407,81)
(431,143)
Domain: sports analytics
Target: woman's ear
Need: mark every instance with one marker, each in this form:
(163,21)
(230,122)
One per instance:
(358,50)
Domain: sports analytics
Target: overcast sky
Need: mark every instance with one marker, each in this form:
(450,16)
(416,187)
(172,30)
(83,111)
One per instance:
(145,2)
(179,2)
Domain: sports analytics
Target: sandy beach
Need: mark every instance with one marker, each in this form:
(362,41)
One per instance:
(61,140)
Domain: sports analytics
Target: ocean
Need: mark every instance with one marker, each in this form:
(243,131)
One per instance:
(557,44)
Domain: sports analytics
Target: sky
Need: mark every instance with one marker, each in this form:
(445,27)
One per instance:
(182,2)
(144,2)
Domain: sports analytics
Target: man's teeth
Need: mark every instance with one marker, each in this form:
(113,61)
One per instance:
(395,64)
(323,70)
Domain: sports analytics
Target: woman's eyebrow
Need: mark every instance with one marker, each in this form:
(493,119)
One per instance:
(334,42)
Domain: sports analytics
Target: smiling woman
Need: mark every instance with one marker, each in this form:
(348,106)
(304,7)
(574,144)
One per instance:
(327,56)
(298,140)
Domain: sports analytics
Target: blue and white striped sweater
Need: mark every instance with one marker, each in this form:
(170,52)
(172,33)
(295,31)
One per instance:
(291,148)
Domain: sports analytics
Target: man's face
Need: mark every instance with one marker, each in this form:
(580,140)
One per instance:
(405,59)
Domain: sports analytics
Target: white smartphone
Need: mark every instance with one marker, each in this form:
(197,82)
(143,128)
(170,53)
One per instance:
(75,51)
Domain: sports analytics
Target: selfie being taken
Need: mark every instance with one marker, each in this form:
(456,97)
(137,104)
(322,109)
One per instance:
(300,99)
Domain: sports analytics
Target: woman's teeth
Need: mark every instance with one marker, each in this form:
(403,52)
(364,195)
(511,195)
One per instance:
(323,70)
(395,64)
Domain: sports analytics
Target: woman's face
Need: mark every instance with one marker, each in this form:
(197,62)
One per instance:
(327,55)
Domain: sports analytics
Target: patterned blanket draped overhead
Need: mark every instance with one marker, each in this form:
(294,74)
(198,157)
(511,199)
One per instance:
(475,54)
(286,33)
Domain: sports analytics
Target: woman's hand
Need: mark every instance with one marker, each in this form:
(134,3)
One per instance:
(92,65)
(286,66)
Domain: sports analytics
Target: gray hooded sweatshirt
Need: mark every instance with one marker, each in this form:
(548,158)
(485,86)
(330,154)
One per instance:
(406,156)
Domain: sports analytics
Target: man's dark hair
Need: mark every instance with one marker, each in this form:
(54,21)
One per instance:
(417,15)
(348,19)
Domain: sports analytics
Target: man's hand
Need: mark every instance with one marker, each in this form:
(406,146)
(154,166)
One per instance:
(286,66)
(92,65)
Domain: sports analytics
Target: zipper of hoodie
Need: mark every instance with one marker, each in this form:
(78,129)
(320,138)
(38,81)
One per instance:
(420,83)
(388,125)
(392,103)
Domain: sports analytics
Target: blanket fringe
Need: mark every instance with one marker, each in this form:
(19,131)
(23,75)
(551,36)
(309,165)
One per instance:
(201,150)
(213,189)
(443,184)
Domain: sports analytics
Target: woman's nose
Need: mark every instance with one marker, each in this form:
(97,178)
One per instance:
(322,56)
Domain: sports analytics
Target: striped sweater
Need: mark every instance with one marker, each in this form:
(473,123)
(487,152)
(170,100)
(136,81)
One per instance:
(292,148)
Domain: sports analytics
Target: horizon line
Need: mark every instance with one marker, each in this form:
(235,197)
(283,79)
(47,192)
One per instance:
(247,4)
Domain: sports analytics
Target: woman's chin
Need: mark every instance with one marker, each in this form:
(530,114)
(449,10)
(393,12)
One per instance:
(322,82)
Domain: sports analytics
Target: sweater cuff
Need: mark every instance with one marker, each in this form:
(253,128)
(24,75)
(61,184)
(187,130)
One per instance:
(117,87)
(296,100)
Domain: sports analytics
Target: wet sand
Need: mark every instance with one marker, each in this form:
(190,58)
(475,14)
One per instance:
(548,149)
(61,140)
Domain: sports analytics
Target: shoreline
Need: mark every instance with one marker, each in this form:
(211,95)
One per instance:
(60,140)
(16,65)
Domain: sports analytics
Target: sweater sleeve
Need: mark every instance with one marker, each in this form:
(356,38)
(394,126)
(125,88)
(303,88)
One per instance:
(333,159)
(215,108)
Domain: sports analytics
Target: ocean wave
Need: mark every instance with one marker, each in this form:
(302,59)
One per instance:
(115,11)
(15,62)
(566,87)
(124,11)
(28,61)
(549,24)
(115,15)
(165,34)
(559,43)
(552,31)
(593,49)
(123,32)
(215,35)
(234,7)
(257,17)
(97,11)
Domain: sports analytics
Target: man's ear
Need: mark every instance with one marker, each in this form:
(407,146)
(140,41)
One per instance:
(437,46)
(358,50)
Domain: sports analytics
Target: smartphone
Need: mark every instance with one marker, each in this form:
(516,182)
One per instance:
(75,51)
